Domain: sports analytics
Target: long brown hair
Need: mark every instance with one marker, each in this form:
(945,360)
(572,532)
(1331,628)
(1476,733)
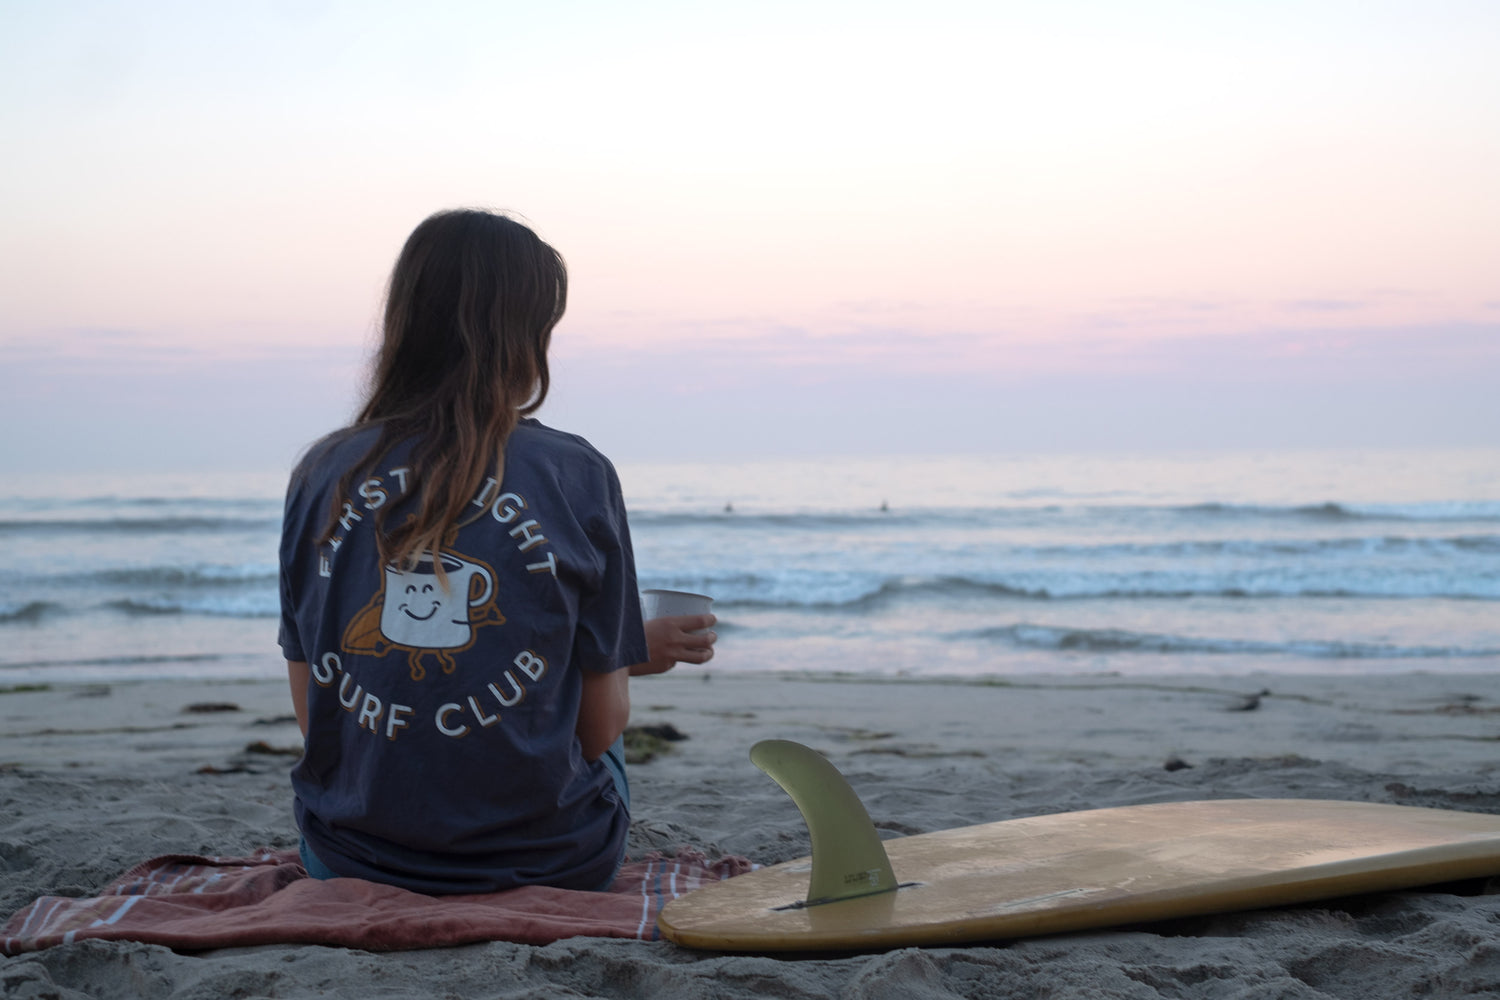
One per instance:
(469,315)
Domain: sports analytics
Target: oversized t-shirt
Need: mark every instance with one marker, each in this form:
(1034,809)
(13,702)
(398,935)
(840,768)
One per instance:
(441,754)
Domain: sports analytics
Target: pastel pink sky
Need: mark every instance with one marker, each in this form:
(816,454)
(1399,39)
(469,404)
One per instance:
(815,226)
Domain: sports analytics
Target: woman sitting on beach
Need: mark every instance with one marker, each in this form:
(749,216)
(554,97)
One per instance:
(459,608)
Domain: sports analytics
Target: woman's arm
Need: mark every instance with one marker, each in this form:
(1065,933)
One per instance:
(297,674)
(603,711)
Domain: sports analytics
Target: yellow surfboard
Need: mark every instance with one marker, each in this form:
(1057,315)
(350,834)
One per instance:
(1064,872)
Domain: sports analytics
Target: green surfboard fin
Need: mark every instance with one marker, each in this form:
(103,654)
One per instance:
(848,858)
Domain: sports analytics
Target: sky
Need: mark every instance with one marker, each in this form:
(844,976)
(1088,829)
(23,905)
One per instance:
(793,229)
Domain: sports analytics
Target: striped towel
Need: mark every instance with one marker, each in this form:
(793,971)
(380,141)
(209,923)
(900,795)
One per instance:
(191,903)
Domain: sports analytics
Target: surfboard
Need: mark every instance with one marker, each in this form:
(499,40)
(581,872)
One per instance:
(1063,872)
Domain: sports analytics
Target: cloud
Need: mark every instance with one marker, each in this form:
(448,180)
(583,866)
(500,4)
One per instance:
(779,390)
(1325,305)
(739,346)
(888,391)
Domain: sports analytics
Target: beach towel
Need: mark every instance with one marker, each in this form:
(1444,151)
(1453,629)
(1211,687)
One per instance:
(192,903)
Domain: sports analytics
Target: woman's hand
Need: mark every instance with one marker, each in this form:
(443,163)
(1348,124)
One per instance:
(672,640)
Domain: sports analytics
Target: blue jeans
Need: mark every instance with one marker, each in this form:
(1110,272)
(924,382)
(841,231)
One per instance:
(613,761)
(315,867)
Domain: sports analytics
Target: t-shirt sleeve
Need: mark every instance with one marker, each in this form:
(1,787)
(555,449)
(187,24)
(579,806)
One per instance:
(289,635)
(610,633)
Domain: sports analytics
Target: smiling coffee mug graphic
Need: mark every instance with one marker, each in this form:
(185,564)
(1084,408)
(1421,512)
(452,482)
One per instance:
(421,611)
(417,611)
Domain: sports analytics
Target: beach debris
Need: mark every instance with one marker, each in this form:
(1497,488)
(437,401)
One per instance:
(1249,702)
(665,731)
(276,720)
(92,691)
(1175,763)
(24,688)
(262,747)
(252,759)
(644,743)
(207,707)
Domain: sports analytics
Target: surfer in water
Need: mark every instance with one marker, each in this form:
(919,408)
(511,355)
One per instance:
(459,611)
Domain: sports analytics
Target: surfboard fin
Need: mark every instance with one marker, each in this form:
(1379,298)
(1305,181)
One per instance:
(848,859)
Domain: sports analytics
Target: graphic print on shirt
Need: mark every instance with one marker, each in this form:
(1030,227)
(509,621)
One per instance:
(414,612)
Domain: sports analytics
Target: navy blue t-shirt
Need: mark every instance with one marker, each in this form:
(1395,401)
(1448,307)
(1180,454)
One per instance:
(441,754)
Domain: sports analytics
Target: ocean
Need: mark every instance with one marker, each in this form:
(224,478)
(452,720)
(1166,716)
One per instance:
(1350,562)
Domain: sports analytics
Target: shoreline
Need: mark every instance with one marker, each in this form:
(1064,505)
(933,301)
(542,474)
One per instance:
(99,777)
(1388,720)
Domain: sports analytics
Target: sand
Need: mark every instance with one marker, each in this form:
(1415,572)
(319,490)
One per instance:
(96,778)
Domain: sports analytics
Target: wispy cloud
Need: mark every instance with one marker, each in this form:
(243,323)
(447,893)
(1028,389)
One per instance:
(1386,354)
(1325,305)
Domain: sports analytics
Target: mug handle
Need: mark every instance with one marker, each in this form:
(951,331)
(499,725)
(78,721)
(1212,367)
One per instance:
(489,587)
